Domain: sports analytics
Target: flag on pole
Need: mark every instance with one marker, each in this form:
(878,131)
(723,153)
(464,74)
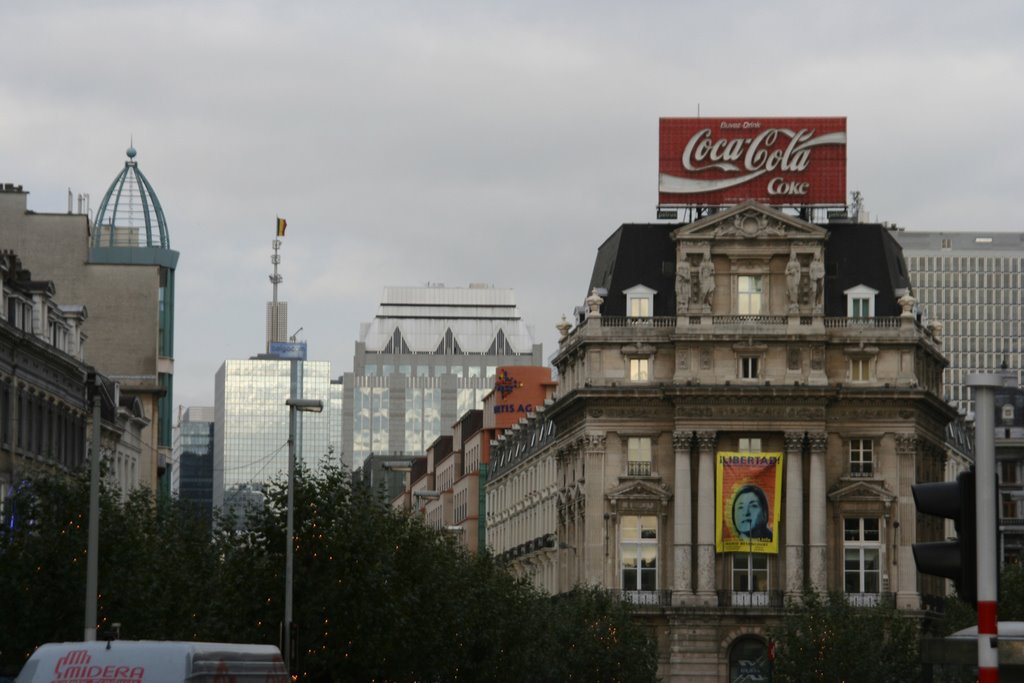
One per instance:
(281,225)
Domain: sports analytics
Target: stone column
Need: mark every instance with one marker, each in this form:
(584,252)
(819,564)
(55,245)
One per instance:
(595,542)
(706,518)
(817,509)
(794,513)
(907,453)
(682,585)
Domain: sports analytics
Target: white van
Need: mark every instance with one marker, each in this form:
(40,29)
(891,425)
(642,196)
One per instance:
(153,661)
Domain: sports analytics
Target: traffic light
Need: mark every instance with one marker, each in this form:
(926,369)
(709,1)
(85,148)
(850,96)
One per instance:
(956,560)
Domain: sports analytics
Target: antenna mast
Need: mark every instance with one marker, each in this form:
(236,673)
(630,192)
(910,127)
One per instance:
(275,279)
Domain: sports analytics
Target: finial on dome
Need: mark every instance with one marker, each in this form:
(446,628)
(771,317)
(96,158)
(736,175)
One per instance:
(131,152)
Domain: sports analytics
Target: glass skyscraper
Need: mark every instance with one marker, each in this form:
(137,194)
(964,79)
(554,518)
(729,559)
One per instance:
(251,440)
(192,473)
(429,356)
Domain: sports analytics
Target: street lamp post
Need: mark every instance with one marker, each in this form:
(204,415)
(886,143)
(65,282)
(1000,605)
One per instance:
(306,405)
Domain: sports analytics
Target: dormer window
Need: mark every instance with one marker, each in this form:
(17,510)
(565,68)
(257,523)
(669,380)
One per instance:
(639,301)
(860,302)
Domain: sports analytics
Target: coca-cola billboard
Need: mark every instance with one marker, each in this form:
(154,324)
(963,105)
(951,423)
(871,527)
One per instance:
(781,161)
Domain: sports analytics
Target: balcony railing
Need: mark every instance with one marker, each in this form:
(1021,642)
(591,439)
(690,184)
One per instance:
(871,599)
(752,599)
(669,321)
(647,598)
(638,468)
(628,321)
(885,321)
(749,320)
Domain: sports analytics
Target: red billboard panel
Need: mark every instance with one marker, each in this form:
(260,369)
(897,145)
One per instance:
(518,391)
(780,161)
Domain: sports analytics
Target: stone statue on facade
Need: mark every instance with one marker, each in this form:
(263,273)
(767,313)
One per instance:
(707,280)
(817,273)
(793,274)
(683,286)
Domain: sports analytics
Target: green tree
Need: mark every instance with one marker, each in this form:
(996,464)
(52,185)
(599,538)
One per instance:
(156,567)
(827,639)
(378,596)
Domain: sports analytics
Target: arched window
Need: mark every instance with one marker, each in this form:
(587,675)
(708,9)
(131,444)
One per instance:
(748,661)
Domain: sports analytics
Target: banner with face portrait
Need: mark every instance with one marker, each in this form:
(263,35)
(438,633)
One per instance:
(748,502)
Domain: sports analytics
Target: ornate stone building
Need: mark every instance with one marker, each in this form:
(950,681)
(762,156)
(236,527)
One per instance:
(47,391)
(748,331)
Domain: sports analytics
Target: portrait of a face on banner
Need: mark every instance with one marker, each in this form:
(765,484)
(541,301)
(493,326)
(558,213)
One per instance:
(748,502)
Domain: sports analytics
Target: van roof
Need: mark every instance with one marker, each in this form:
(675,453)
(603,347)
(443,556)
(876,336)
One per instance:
(139,661)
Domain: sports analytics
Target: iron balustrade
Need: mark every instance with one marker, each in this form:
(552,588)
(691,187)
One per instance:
(647,598)
(774,600)
(871,599)
(638,468)
(629,321)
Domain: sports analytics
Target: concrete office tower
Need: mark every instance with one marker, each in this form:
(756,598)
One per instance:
(251,430)
(192,473)
(429,355)
(277,322)
(970,284)
(121,268)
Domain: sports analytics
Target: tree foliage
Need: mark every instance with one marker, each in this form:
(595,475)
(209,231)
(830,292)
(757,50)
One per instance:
(377,595)
(824,638)
(957,615)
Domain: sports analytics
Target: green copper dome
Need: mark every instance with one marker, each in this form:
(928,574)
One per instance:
(130,214)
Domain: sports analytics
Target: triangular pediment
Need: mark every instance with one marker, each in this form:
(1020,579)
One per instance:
(639,490)
(860,491)
(750,221)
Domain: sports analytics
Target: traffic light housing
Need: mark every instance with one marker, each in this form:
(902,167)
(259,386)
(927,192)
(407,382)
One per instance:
(956,560)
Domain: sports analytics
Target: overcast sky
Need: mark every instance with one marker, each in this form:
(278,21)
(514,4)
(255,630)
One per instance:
(459,142)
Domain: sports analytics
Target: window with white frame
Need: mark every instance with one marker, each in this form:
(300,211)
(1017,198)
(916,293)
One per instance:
(861,362)
(639,308)
(860,307)
(749,573)
(862,553)
(860,302)
(639,301)
(638,456)
(639,369)
(747,444)
(862,459)
(860,369)
(749,294)
(638,550)
(750,367)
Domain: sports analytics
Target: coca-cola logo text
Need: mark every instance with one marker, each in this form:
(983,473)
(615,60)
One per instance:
(758,153)
(714,156)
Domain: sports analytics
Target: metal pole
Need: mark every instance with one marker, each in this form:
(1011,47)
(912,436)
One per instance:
(985,515)
(290,545)
(93,549)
